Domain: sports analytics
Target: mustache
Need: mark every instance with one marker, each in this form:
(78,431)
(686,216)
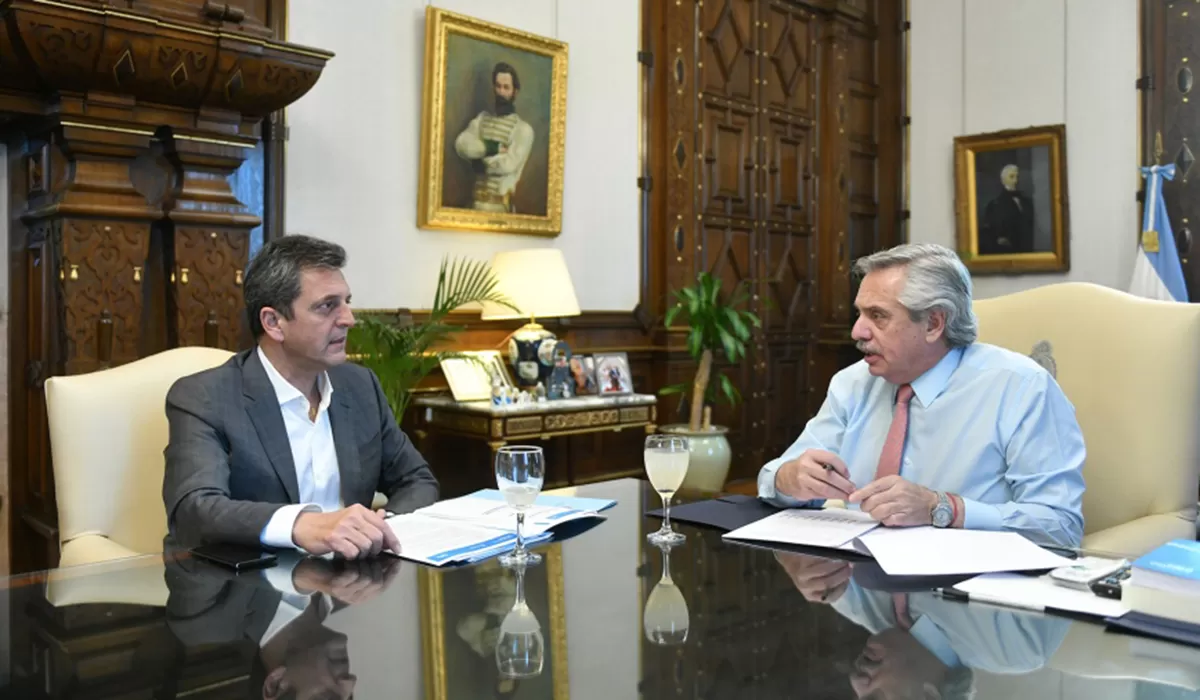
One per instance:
(865,349)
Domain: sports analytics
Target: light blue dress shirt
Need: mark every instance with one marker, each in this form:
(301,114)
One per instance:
(985,423)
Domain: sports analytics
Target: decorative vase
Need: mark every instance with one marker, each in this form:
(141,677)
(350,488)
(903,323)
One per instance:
(708,464)
(531,352)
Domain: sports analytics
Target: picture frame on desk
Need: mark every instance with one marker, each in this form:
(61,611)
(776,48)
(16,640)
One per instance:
(461,613)
(470,374)
(612,374)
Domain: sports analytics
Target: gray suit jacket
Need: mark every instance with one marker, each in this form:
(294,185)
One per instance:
(229,463)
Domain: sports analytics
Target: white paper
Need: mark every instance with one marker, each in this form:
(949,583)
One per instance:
(930,551)
(438,541)
(499,516)
(813,528)
(1038,593)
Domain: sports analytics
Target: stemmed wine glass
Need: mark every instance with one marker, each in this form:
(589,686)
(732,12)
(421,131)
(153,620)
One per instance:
(666,465)
(520,649)
(520,471)
(665,618)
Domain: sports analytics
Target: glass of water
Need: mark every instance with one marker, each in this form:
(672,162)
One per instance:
(666,465)
(520,471)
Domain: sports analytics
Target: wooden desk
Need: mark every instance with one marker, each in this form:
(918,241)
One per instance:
(499,425)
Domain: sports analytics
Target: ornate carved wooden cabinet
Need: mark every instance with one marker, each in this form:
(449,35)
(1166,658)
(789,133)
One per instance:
(124,120)
(775,159)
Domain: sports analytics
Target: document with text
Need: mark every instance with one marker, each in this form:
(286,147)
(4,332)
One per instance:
(832,527)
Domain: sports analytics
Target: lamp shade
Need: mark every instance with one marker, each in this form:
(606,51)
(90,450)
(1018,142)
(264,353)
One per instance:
(536,281)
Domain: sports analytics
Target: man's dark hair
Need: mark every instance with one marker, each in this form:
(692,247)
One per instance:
(503,67)
(273,276)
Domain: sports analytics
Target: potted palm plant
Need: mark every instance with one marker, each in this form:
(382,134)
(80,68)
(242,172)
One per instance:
(715,322)
(401,352)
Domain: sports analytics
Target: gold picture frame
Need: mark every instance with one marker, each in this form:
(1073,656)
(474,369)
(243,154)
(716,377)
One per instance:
(546,601)
(512,182)
(1011,201)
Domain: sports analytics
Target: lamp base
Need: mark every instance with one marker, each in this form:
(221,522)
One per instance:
(531,353)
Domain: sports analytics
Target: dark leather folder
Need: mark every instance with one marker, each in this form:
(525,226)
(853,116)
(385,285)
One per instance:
(724,512)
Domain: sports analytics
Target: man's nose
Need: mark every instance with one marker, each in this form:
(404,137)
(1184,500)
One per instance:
(347,319)
(860,330)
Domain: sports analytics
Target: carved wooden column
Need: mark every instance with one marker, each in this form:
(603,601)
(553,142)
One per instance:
(206,237)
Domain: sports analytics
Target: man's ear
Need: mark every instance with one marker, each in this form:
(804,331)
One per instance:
(271,321)
(935,325)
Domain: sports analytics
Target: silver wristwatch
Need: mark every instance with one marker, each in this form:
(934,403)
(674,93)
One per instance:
(943,512)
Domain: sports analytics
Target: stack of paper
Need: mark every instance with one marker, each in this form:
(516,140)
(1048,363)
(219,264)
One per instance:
(833,527)
(475,527)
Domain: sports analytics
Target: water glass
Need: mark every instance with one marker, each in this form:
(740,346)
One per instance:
(666,466)
(520,471)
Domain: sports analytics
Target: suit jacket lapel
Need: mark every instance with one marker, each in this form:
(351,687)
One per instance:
(341,419)
(262,405)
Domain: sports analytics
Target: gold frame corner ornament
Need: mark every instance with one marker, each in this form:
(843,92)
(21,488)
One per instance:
(433,627)
(966,209)
(439,24)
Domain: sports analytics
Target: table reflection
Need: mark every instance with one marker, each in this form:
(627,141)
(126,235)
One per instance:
(665,617)
(922,645)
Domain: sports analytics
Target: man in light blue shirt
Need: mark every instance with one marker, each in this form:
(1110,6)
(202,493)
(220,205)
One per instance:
(991,442)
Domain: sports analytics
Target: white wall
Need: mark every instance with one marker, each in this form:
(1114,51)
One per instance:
(981,65)
(353,153)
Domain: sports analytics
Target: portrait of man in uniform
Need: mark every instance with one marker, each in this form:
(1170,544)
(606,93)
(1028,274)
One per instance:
(493,127)
(497,144)
(497,118)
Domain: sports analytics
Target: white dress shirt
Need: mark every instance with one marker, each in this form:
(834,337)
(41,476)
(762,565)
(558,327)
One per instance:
(313,454)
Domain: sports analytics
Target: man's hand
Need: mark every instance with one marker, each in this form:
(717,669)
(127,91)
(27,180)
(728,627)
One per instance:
(814,474)
(896,502)
(352,583)
(352,532)
(818,580)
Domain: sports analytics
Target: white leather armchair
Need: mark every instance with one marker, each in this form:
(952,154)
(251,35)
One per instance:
(108,430)
(1131,367)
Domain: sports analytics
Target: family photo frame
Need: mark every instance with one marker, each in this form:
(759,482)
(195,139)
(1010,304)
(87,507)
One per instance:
(1011,201)
(493,127)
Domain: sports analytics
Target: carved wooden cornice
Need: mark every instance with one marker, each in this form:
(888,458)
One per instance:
(88,57)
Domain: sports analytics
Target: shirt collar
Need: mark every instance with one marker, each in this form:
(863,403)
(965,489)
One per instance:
(286,393)
(930,385)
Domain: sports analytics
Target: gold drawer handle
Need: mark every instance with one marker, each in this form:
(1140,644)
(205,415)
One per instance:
(74,272)
(183,275)
(237,278)
(137,273)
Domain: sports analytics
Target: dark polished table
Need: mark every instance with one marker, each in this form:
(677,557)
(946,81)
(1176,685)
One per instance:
(733,622)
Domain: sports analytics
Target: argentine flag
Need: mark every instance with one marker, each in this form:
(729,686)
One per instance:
(1157,273)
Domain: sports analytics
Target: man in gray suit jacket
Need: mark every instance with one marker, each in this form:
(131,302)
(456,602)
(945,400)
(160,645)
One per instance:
(286,444)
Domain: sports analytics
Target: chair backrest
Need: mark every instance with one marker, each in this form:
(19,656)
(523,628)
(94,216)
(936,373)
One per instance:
(108,430)
(1131,367)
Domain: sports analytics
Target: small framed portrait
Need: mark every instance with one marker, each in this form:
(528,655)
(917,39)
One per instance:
(1011,200)
(470,375)
(583,373)
(612,374)
(493,127)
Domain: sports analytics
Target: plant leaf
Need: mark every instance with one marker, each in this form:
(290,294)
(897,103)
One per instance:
(730,391)
(673,389)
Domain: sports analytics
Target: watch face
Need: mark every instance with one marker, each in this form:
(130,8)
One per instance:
(942,515)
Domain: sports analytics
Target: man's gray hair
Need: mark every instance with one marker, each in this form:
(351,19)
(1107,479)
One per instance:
(937,281)
(273,276)
(1010,167)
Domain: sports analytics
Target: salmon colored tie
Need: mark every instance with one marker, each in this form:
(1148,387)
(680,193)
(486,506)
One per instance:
(893,446)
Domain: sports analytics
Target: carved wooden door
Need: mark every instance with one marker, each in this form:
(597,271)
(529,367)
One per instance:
(1172,121)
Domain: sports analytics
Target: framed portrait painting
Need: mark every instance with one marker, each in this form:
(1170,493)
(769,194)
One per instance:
(493,127)
(612,374)
(1011,200)
(463,618)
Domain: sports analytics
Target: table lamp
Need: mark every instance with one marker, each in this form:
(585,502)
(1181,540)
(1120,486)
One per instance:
(537,282)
